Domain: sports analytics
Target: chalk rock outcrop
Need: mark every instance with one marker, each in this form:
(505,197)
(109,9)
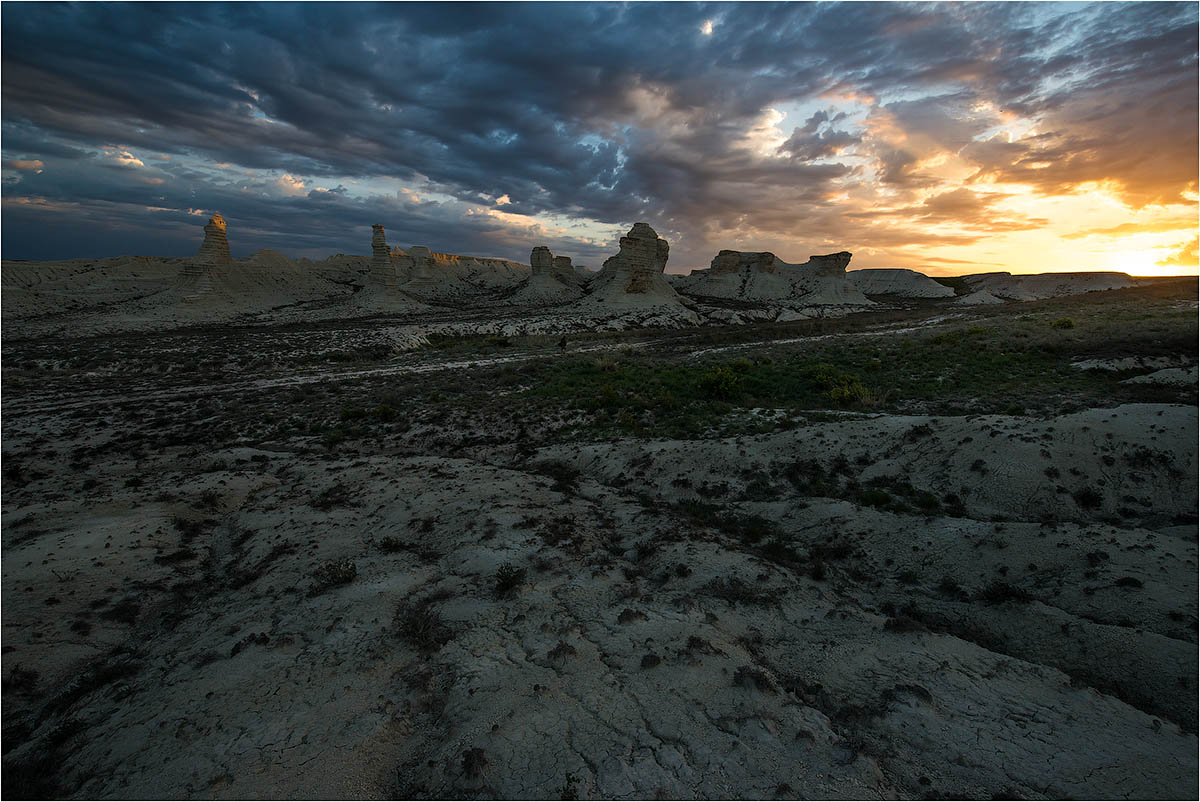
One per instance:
(899,283)
(635,275)
(447,277)
(215,248)
(563,269)
(382,275)
(978,298)
(763,277)
(551,281)
(1046,285)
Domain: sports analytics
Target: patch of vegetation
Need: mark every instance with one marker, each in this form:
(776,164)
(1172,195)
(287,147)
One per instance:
(508,578)
(331,575)
(421,625)
(1063,323)
(720,383)
(565,475)
(999,592)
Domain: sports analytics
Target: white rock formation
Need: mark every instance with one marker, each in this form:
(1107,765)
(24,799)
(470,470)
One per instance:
(763,277)
(1046,285)
(978,298)
(898,282)
(382,276)
(444,277)
(552,280)
(634,277)
(215,248)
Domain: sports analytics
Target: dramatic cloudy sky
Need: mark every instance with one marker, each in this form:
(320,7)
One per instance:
(946,137)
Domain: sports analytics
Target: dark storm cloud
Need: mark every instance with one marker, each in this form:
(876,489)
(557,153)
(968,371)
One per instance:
(596,112)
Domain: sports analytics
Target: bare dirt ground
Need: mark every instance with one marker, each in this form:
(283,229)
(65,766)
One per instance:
(922,552)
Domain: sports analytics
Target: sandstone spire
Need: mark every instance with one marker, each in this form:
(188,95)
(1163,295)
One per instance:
(215,248)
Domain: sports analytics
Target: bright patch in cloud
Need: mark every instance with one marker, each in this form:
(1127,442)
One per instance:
(707,27)
(288,184)
(25,164)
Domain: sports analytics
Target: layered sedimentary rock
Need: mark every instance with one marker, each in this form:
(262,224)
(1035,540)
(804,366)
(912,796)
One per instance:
(551,281)
(200,278)
(1046,285)
(762,276)
(269,260)
(215,248)
(564,271)
(430,275)
(382,275)
(635,274)
(899,283)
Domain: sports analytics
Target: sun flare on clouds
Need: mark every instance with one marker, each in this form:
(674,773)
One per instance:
(948,139)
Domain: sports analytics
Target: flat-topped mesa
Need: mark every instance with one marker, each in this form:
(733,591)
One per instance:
(735,261)
(541,261)
(544,263)
(833,264)
(215,248)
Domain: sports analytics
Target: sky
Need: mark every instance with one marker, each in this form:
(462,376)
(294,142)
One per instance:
(948,137)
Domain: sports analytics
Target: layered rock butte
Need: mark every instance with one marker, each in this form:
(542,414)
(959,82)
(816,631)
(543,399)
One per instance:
(635,274)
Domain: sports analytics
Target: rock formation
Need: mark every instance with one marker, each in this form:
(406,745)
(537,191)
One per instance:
(1045,285)
(635,275)
(215,248)
(382,275)
(201,276)
(899,283)
(762,276)
(564,271)
(541,260)
(446,277)
(552,280)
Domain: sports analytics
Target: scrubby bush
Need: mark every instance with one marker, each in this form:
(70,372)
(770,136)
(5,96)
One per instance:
(508,579)
(332,574)
(1063,323)
(720,383)
(421,625)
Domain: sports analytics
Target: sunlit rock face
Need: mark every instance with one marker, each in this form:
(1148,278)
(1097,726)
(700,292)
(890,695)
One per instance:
(215,248)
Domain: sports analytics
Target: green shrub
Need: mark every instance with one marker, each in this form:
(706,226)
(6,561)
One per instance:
(1063,323)
(721,383)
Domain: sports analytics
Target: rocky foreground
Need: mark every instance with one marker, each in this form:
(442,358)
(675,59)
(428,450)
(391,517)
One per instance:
(206,595)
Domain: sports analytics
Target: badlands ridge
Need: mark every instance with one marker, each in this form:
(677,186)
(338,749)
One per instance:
(631,290)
